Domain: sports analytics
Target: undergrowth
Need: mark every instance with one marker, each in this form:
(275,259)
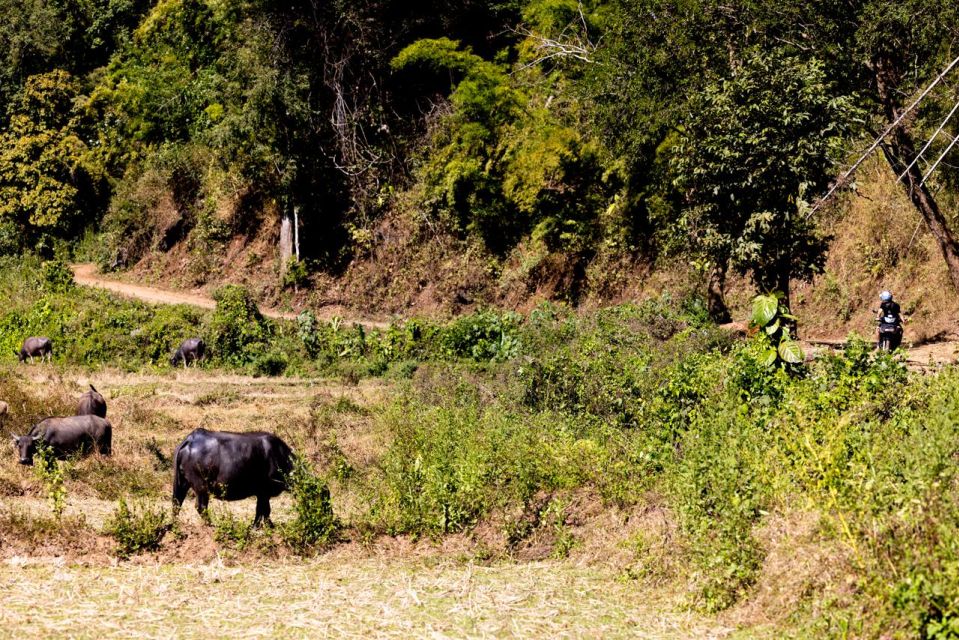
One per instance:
(137,529)
(496,411)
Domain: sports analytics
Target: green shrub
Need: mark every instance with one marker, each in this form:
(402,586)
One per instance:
(238,332)
(308,332)
(137,530)
(314,523)
(57,276)
(296,274)
(230,530)
(483,336)
(450,463)
(271,363)
(50,472)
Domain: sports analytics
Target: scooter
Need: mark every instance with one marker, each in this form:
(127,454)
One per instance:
(890,333)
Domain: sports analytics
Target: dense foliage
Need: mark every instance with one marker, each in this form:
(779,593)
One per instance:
(617,128)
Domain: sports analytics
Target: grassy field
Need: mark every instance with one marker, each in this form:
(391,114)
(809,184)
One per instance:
(337,595)
(628,471)
(66,582)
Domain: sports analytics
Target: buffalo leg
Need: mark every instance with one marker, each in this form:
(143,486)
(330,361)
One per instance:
(262,511)
(179,495)
(202,501)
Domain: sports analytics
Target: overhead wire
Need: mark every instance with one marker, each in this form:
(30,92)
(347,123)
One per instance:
(842,180)
(925,147)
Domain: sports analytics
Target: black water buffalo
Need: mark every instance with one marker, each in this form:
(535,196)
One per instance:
(67,436)
(36,347)
(190,349)
(231,466)
(92,404)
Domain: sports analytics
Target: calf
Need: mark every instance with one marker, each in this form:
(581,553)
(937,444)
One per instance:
(92,404)
(66,436)
(36,347)
(190,349)
(231,466)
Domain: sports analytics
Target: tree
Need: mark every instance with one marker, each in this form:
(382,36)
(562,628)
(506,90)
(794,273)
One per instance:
(50,179)
(754,147)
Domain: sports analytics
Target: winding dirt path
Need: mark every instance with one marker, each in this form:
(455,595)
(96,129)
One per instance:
(929,356)
(86,274)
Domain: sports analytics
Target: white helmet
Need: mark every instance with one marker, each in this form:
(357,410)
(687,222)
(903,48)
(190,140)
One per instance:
(885,296)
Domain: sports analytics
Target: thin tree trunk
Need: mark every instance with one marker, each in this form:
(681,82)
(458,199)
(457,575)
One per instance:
(782,286)
(899,152)
(286,240)
(716,294)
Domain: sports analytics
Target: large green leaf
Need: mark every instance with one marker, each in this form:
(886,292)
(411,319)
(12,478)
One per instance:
(764,310)
(791,352)
(769,358)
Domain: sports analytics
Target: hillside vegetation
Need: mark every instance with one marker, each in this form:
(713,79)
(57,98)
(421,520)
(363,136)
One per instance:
(436,157)
(554,208)
(786,498)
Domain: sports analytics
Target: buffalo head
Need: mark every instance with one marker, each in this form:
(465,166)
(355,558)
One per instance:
(26,447)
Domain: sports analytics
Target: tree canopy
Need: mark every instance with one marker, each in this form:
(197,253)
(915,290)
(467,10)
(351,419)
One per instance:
(639,127)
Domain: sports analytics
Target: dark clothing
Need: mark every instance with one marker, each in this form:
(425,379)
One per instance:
(890,308)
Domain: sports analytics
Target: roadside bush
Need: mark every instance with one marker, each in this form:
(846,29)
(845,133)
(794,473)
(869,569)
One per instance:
(57,276)
(238,332)
(159,336)
(137,530)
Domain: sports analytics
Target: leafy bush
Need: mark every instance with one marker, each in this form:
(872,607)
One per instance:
(296,274)
(772,322)
(233,531)
(238,332)
(50,472)
(271,363)
(450,463)
(136,530)
(314,523)
(483,336)
(57,276)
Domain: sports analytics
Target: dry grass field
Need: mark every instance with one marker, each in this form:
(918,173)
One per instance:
(65,580)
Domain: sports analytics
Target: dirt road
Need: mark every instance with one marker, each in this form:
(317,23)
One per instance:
(924,357)
(85,274)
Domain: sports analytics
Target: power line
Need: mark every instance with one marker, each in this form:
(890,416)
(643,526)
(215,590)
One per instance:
(841,181)
(929,143)
(936,164)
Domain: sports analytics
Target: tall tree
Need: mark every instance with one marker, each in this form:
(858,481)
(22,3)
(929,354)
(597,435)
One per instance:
(753,147)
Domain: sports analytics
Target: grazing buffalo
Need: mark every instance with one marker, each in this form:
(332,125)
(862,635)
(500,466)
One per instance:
(67,436)
(190,349)
(231,466)
(92,404)
(35,347)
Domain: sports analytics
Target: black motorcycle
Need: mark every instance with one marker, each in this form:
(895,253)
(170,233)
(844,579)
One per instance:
(890,332)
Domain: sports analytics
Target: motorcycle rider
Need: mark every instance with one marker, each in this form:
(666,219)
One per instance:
(890,321)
